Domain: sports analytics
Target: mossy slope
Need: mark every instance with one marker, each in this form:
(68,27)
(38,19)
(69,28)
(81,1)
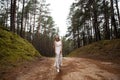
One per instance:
(105,48)
(14,49)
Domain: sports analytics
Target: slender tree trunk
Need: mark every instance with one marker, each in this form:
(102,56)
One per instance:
(84,32)
(38,29)
(7,15)
(113,20)
(21,30)
(25,23)
(34,15)
(106,26)
(91,28)
(30,34)
(45,40)
(30,31)
(74,40)
(39,25)
(118,11)
(83,38)
(78,38)
(95,22)
(18,29)
(88,34)
(13,15)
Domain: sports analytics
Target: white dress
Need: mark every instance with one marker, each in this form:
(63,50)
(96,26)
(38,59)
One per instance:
(58,58)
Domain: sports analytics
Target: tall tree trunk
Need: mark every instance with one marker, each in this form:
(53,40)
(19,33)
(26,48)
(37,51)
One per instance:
(78,38)
(18,28)
(38,29)
(83,36)
(88,34)
(45,36)
(95,22)
(25,23)
(21,30)
(91,29)
(106,26)
(113,22)
(13,15)
(39,25)
(30,16)
(34,15)
(7,15)
(118,11)
(30,34)
(74,40)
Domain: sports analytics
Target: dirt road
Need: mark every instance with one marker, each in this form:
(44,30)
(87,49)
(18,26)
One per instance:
(72,69)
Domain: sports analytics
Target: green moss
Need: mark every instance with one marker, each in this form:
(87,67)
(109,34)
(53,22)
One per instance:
(14,49)
(104,47)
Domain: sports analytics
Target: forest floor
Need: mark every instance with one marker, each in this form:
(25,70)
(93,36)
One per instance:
(72,69)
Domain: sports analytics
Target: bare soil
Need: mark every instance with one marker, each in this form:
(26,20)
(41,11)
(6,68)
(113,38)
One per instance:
(71,69)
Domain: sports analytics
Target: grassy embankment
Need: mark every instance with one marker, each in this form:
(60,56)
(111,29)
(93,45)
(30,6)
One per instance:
(14,50)
(105,49)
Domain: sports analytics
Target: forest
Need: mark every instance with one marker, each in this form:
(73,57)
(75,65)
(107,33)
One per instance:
(31,20)
(93,20)
(91,45)
(88,21)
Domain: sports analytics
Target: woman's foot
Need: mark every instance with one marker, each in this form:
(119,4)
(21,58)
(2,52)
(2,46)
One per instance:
(58,70)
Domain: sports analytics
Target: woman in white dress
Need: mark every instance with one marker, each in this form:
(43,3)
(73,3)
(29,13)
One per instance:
(58,52)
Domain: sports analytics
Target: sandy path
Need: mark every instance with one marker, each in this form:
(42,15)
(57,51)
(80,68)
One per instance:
(72,69)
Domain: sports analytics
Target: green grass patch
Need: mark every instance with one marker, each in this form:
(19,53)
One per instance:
(14,49)
(101,48)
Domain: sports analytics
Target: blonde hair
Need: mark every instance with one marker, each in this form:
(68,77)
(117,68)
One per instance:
(57,38)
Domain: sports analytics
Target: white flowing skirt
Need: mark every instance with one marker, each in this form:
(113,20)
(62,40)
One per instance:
(58,57)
